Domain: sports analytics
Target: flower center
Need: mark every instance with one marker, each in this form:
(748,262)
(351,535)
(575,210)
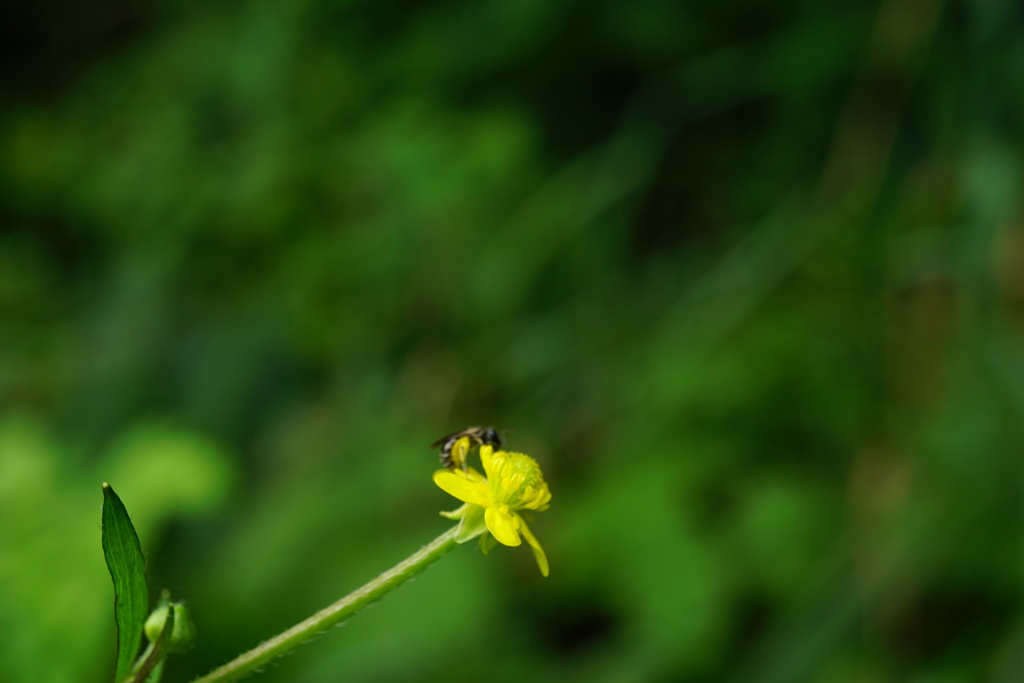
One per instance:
(517,481)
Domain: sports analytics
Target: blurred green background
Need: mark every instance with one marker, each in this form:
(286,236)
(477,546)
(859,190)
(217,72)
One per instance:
(746,278)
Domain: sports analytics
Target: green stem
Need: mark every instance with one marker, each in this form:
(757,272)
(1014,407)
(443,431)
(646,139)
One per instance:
(153,655)
(284,642)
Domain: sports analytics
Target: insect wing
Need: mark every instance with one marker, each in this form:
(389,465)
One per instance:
(471,431)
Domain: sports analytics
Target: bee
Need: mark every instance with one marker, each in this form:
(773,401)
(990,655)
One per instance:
(455,447)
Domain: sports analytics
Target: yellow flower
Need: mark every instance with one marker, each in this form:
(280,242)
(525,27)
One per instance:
(513,482)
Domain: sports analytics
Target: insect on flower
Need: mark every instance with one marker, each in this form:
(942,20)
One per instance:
(455,447)
(492,501)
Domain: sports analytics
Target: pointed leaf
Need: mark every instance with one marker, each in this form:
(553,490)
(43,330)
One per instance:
(128,572)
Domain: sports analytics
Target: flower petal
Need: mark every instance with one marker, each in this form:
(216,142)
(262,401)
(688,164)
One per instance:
(459,451)
(538,552)
(462,487)
(486,456)
(503,524)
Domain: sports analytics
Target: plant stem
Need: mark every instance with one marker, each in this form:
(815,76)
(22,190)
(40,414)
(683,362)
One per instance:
(154,653)
(247,662)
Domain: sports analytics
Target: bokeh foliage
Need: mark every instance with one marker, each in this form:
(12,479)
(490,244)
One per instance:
(746,278)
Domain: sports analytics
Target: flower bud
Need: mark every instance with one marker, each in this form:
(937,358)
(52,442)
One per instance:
(183,631)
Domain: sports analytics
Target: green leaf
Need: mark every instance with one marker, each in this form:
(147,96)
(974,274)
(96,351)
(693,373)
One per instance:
(128,572)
